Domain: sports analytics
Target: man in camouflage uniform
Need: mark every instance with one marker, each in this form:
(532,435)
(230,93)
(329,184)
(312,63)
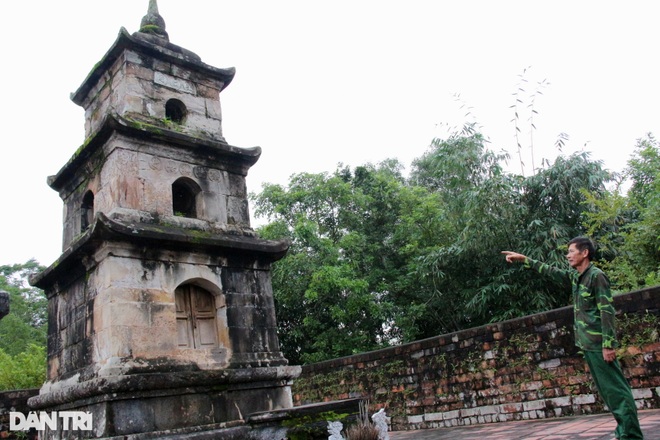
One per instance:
(595,333)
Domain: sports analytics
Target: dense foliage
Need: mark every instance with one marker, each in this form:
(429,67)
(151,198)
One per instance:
(628,226)
(23,330)
(377,258)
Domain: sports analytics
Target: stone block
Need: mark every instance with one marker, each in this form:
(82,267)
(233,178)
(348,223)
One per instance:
(511,407)
(531,386)
(642,393)
(433,417)
(534,405)
(584,399)
(451,415)
(562,401)
(117,342)
(175,83)
(417,354)
(468,412)
(210,92)
(488,409)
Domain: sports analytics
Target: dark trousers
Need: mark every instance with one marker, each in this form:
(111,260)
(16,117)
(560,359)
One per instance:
(615,391)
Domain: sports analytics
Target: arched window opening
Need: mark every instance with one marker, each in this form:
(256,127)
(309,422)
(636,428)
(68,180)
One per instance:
(175,111)
(86,211)
(195,317)
(184,198)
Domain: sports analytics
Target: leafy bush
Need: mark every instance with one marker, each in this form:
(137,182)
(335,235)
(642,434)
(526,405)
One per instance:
(24,370)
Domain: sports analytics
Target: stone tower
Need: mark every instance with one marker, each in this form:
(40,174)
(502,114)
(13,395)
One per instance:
(161,313)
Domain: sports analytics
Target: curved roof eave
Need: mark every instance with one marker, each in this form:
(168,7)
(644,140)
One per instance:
(105,229)
(244,158)
(167,51)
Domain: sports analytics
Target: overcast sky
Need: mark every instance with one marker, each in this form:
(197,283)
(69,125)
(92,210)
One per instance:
(324,82)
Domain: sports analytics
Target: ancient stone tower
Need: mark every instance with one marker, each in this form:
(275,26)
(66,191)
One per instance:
(161,313)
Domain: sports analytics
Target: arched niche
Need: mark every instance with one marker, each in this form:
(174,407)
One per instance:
(86,211)
(185,198)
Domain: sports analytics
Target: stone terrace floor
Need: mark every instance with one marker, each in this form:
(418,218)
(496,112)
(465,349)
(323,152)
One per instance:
(591,427)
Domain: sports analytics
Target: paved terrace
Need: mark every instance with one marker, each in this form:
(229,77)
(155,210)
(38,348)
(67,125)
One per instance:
(591,427)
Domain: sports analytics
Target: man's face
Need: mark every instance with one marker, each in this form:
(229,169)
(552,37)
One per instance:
(576,257)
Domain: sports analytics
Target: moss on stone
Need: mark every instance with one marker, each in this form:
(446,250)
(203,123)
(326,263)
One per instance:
(151,29)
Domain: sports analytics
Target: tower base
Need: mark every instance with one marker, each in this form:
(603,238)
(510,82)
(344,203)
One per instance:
(169,405)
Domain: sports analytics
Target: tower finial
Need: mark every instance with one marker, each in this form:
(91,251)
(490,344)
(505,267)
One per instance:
(153,23)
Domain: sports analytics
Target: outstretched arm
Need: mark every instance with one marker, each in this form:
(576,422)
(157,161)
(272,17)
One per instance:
(559,276)
(514,257)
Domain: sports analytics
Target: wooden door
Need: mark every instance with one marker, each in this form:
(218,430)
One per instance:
(195,318)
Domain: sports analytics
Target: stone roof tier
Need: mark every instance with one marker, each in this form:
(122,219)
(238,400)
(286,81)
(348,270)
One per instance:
(147,234)
(154,46)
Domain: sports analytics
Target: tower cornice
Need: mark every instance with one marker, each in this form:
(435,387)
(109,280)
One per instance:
(157,235)
(156,47)
(240,159)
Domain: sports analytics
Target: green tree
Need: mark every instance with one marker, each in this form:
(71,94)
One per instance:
(479,204)
(24,370)
(26,322)
(642,238)
(420,226)
(643,170)
(627,227)
(550,211)
(329,290)
(485,211)
(23,330)
(377,259)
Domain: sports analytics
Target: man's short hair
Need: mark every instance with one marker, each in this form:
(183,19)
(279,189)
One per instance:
(582,243)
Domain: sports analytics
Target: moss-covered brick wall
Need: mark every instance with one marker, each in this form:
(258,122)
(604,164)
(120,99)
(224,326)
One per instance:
(524,368)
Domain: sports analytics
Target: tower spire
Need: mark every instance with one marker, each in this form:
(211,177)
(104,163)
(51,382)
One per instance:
(153,23)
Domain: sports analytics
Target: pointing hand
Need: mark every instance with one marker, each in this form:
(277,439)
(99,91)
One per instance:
(513,256)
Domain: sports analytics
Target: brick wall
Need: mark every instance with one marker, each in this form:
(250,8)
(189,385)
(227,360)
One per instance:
(524,368)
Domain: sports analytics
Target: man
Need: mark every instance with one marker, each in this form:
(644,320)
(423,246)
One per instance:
(594,328)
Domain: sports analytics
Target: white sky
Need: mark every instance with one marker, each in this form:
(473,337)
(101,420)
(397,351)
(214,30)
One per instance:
(323,82)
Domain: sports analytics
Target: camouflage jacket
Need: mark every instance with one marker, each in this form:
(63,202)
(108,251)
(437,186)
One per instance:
(593,307)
